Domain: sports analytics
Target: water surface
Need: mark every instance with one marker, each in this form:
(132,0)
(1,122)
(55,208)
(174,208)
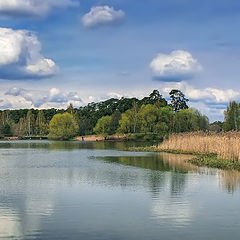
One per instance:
(74,190)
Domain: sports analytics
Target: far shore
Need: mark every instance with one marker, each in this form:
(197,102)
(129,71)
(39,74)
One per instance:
(87,138)
(96,138)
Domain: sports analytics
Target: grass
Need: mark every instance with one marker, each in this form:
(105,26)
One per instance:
(144,149)
(223,145)
(215,150)
(213,161)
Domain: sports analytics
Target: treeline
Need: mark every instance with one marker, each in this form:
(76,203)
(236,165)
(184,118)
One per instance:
(150,117)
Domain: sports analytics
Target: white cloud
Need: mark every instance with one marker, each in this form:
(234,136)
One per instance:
(101,15)
(33,7)
(114,95)
(39,99)
(176,66)
(21,57)
(209,95)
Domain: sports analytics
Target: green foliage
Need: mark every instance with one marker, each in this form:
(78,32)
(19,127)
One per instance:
(30,123)
(41,127)
(103,126)
(178,100)
(213,161)
(116,117)
(129,122)
(216,126)
(6,130)
(189,120)
(63,127)
(232,117)
(148,115)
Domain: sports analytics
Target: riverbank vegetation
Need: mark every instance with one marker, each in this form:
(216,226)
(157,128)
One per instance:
(216,150)
(225,145)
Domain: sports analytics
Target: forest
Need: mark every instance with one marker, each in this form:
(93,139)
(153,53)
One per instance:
(151,117)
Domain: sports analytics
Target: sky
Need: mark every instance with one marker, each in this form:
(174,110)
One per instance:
(57,52)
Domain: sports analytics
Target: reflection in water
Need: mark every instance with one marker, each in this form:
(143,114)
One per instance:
(230,180)
(155,161)
(70,145)
(172,213)
(72,190)
(10,224)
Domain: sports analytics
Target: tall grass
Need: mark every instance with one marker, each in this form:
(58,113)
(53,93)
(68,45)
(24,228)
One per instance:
(224,145)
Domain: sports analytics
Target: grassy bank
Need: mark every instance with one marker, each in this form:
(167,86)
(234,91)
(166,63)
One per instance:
(223,145)
(213,161)
(216,150)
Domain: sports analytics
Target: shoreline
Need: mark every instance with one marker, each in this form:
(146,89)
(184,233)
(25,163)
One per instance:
(97,138)
(199,159)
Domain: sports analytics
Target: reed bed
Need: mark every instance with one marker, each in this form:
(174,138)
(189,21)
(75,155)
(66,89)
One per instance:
(225,145)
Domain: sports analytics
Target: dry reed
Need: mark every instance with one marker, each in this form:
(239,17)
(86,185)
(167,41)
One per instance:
(224,145)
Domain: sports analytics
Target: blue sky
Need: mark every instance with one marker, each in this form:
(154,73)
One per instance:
(59,51)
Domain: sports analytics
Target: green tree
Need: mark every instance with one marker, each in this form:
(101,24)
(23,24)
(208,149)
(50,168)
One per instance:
(103,126)
(166,115)
(149,117)
(216,126)
(85,126)
(30,123)
(154,98)
(70,109)
(6,130)
(115,121)
(41,126)
(21,128)
(125,124)
(232,117)
(130,122)
(178,100)
(188,120)
(63,127)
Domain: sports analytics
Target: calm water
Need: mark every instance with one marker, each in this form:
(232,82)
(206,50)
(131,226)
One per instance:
(71,190)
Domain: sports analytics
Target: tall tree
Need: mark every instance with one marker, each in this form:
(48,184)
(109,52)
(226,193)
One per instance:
(21,127)
(41,124)
(178,100)
(63,127)
(232,117)
(103,126)
(30,123)
(149,116)
(115,121)
(6,130)
(70,109)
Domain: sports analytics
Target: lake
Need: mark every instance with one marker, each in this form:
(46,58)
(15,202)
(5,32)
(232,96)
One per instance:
(74,190)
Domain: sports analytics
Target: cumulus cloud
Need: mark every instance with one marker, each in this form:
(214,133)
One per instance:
(177,66)
(101,15)
(21,57)
(32,7)
(41,99)
(209,95)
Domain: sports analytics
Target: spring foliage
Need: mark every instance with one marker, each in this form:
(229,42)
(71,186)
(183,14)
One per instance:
(63,127)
